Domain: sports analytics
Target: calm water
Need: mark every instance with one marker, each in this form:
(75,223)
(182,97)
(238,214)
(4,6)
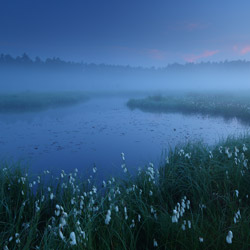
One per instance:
(96,132)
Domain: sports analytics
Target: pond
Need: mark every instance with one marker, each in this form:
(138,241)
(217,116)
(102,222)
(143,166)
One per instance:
(98,131)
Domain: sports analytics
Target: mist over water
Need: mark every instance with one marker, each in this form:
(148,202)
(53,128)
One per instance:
(94,77)
(96,132)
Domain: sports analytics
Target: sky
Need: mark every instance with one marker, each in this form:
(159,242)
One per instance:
(127,32)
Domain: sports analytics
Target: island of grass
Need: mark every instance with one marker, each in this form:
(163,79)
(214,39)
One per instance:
(225,105)
(198,199)
(36,101)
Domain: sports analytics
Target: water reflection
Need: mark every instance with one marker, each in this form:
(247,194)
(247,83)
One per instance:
(98,131)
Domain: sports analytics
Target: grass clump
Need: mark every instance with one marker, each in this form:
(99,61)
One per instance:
(225,105)
(198,199)
(35,101)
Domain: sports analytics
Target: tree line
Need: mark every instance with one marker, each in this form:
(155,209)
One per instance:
(55,62)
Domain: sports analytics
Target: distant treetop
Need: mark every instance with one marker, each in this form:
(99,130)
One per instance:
(55,62)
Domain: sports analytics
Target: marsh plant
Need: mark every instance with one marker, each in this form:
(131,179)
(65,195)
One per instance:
(197,199)
(227,105)
(36,101)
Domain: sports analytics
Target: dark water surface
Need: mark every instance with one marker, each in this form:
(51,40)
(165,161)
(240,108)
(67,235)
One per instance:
(96,132)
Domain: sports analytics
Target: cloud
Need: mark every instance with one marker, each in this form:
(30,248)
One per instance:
(245,50)
(195,57)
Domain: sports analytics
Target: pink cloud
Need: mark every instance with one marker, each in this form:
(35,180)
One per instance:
(245,50)
(195,57)
(193,26)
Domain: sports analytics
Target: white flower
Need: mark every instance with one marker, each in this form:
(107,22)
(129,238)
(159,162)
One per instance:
(139,217)
(201,239)
(236,193)
(210,155)
(117,209)
(174,217)
(73,238)
(189,224)
(61,234)
(51,196)
(229,237)
(155,243)
(123,156)
(125,212)
(108,217)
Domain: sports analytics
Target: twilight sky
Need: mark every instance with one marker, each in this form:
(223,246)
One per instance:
(135,32)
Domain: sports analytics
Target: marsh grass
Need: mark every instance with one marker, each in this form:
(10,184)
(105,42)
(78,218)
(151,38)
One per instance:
(197,188)
(226,105)
(35,101)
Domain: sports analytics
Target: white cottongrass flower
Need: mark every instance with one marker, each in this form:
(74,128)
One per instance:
(201,239)
(150,193)
(36,205)
(244,148)
(104,183)
(229,237)
(51,196)
(73,239)
(108,217)
(117,209)
(245,163)
(237,216)
(236,193)
(189,224)
(155,244)
(94,170)
(133,224)
(174,217)
(123,156)
(61,234)
(125,212)
(139,217)
(210,155)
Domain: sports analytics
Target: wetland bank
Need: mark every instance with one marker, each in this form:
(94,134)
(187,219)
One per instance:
(112,188)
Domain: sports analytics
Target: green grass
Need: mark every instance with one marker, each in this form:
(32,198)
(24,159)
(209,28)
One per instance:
(35,101)
(226,105)
(206,177)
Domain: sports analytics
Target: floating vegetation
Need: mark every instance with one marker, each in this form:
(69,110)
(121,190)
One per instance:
(225,105)
(197,199)
(34,101)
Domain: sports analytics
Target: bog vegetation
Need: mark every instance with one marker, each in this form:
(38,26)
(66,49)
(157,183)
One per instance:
(36,101)
(226,105)
(197,199)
